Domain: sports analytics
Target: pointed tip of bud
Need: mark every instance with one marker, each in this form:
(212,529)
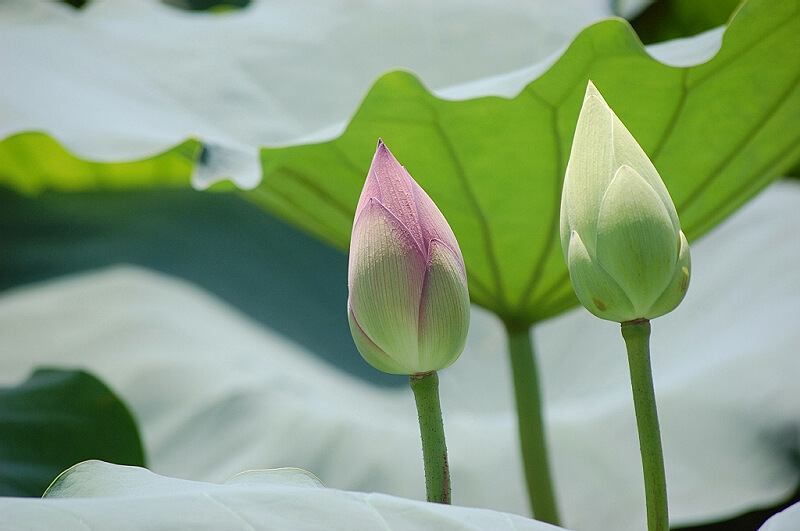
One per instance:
(592,92)
(384,160)
(381,148)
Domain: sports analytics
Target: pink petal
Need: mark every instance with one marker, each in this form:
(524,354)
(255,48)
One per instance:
(434,226)
(443,310)
(371,352)
(385,278)
(391,184)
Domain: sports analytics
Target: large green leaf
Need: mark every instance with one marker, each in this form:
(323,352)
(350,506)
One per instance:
(58,418)
(718,132)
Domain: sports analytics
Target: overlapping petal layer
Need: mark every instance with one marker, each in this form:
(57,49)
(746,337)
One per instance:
(620,233)
(409,304)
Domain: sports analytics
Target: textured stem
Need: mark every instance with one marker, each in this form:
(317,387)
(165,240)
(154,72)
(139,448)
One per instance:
(434,449)
(531,425)
(637,340)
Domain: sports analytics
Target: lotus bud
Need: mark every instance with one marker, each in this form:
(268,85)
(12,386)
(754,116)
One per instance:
(627,256)
(408,303)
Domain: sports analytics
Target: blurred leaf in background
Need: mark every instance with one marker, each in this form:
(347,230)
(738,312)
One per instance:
(58,418)
(663,20)
(274,273)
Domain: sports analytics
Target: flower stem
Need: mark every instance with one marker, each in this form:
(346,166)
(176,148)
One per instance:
(637,340)
(431,427)
(531,425)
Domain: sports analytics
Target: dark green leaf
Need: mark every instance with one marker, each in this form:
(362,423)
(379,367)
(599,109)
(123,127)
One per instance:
(672,19)
(58,418)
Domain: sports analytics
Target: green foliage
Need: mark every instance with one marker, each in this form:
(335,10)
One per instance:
(718,132)
(56,419)
(34,162)
(672,19)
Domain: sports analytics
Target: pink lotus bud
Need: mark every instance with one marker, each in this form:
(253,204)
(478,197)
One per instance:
(409,305)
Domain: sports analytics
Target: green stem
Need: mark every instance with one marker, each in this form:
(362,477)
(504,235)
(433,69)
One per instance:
(431,427)
(637,341)
(531,425)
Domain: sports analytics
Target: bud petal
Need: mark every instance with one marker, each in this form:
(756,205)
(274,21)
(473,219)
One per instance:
(387,270)
(635,241)
(592,158)
(595,288)
(369,350)
(676,289)
(444,308)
